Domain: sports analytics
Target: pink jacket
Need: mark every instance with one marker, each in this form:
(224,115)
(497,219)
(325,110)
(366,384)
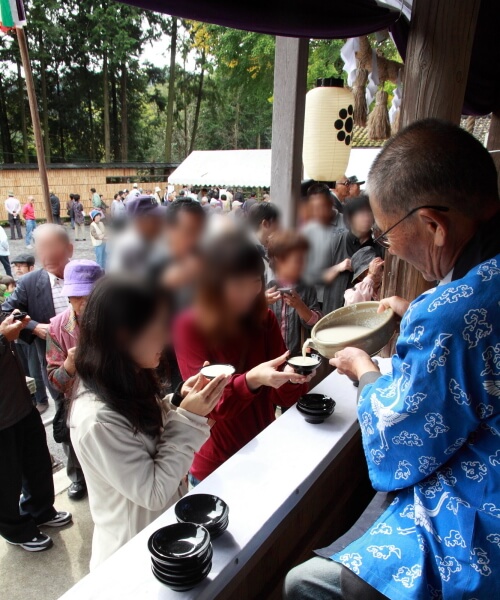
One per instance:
(63,334)
(361,292)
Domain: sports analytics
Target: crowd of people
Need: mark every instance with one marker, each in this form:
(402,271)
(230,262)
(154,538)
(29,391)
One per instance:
(180,283)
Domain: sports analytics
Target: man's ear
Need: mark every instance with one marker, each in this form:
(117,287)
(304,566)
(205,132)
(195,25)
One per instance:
(437,224)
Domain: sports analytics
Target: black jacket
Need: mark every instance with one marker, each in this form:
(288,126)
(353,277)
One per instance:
(56,205)
(33,295)
(15,399)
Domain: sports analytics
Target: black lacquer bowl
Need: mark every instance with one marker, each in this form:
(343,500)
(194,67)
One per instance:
(204,509)
(181,555)
(314,361)
(315,408)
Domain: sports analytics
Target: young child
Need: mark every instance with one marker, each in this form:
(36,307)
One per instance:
(7,286)
(367,268)
(297,308)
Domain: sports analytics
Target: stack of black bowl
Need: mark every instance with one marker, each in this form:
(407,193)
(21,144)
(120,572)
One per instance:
(181,555)
(204,509)
(315,408)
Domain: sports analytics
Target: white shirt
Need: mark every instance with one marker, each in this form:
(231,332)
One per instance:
(12,205)
(61,302)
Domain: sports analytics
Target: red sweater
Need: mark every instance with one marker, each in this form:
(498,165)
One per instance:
(240,414)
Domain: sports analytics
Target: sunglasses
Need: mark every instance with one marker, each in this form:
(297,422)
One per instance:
(381,238)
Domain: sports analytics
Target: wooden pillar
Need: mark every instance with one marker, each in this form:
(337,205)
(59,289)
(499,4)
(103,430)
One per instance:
(435,77)
(493,143)
(290,84)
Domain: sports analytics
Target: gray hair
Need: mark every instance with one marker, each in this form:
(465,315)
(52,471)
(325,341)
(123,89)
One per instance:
(48,229)
(433,162)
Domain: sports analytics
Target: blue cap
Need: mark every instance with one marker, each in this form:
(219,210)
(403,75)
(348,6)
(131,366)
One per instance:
(141,206)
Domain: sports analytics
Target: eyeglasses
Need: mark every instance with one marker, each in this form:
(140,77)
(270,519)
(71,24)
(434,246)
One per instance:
(381,239)
(346,183)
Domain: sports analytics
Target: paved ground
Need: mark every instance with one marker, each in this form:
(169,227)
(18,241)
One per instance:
(82,249)
(47,575)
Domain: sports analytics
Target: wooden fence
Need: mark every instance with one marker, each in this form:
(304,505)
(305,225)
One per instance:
(24,181)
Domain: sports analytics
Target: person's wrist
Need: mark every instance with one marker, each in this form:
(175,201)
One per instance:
(364,364)
(252,380)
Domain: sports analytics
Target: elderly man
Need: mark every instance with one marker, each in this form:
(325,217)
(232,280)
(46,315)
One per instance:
(431,427)
(13,208)
(341,193)
(39,293)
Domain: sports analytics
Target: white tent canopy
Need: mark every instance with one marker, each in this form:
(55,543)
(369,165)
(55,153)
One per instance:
(248,168)
(224,168)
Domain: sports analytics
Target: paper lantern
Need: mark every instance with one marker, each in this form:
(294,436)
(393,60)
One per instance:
(328,130)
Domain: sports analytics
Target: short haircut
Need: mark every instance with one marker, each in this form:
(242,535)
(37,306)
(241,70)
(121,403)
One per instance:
(433,162)
(223,197)
(320,189)
(92,190)
(263,211)
(184,204)
(7,280)
(354,205)
(283,243)
(51,228)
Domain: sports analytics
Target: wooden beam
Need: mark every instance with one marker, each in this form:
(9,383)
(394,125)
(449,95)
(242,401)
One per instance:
(290,85)
(435,77)
(35,119)
(493,143)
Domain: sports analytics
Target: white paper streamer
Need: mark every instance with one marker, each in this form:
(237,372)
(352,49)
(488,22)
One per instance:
(348,55)
(396,100)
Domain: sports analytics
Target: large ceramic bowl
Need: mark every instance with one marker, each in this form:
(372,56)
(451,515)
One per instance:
(379,328)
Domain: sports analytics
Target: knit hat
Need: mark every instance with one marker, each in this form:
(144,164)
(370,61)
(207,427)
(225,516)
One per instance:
(80,277)
(94,213)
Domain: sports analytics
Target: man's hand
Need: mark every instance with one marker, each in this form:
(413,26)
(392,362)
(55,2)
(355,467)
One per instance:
(354,363)
(69,363)
(41,330)
(272,295)
(11,328)
(398,305)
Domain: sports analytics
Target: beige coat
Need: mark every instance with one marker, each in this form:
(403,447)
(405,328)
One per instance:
(131,478)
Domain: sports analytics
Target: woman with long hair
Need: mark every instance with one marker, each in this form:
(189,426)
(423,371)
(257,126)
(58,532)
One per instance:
(135,448)
(230,323)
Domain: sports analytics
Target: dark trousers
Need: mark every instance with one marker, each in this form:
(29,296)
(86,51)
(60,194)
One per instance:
(73,468)
(6,265)
(25,466)
(31,364)
(15,224)
(57,219)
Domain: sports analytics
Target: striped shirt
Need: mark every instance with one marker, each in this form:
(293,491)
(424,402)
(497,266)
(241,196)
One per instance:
(60,302)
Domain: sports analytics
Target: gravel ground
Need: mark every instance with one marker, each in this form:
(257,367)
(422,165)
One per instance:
(82,250)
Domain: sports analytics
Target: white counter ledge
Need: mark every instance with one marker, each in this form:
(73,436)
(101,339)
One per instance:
(262,484)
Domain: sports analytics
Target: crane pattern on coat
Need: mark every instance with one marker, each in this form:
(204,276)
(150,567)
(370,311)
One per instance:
(431,433)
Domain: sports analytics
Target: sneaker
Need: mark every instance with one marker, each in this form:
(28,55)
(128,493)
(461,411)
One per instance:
(29,247)
(58,520)
(37,544)
(42,407)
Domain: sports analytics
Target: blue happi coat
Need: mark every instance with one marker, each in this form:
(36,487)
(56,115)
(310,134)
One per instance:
(432,430)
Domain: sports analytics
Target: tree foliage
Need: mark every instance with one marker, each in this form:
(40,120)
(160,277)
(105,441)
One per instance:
(100,99)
